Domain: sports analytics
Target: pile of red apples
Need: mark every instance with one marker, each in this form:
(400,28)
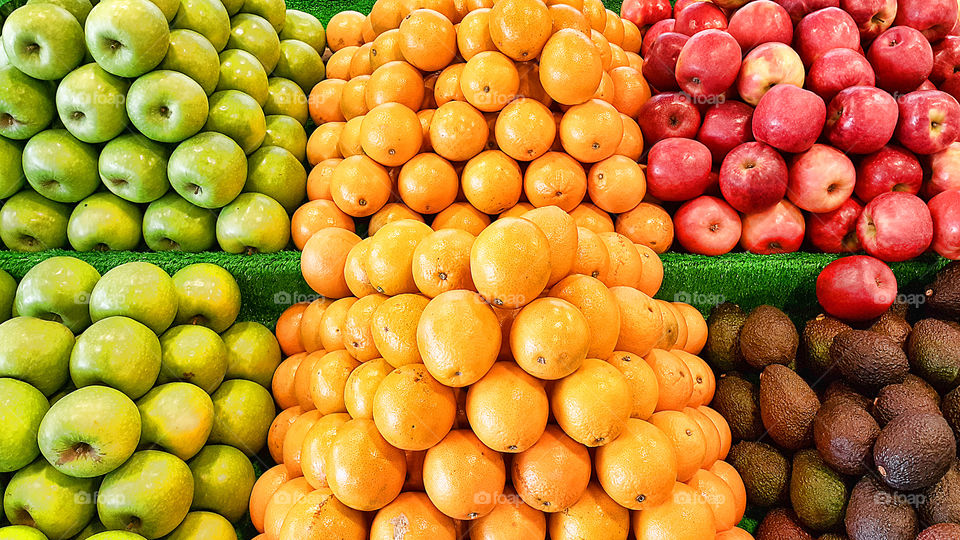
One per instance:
(834,122)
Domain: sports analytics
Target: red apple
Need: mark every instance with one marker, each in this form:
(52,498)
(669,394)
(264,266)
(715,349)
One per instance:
(681,5)
(895,226)
(699,16)
(645,12)
(753,177)
(660,64)
(952,87)
(838,69)
(766,66)
(902,59)
(873,17)
(861,119)
(929,121)
(856,288)
(946,59)
(731,4)
(944,169)
(708,64)
(925,85)
(821,179)
(789,118)
(945,211)
(935,18)
(889,169)
(836,231)
(725,126)
(707,226)
(799,8)
(657,28)
(778,229)
(678,169)
(820,31)
(759,22)
(668,115)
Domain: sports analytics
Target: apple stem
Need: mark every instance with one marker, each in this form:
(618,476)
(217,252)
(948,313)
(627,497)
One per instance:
(251,251)
(198,320)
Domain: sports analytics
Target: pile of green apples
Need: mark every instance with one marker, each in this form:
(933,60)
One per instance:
(129,402)
(180,124)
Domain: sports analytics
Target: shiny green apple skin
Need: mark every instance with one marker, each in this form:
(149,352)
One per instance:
(242,414)
(286,97)
(139,290)
(239,117)
(193,55)
(208,170)
(206,17)
(172,223)
(277,173)
(193,354)
(286,132)
(306,28)
(223,478)
(105,222)
(92,104)
(30,222)
(254,34)
(167,106)
(60,506)
(61,167)
(45,41)
(134,168)
(207,295)
(253,353)
(138,26)
(58,289)
(29,103)
(21,409)
(36,352)
(240,70)
(253,223)
(177,417)
(118,352)
(300,63)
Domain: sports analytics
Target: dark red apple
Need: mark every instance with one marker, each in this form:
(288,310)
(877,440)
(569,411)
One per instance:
(725,126)
(952,87)
(657,28)
(821,179)
(766,66)
(699,16)
(660,64)
(946,59)
(945,210)
(645,12)
(944,171)
(707,226)
(823,30)
(799,8)
(779,229)
(861,119)
(856,288)
(753,177)
(895,226)
(838,69)
(873,17)
(678,169)
(929,121)
(889,169)
(759,22)
(668,115)
(836,231)
(789,118)
(935,18)
(708,64)
(902,59)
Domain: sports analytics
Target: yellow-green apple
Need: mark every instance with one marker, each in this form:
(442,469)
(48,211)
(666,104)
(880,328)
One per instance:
(726,126)
(895,226)
(252,353)
(207,295)
(138,290)
(233,6)
(838,69)
(253,223)
(699,16)
(193,354)
(26,104)
(946,59)
(116,535)
(788,118)
(134,168)
(707,226)
(934,18)
(192,54)
(823,30)
(21,411)
(150,494)
(856,288)
(223,478)
(78,8)
(285,132)
(708,64)
(90,103)
(176,417)
(668,115)
(654,31)
(44,41)
(286,97)
(90,431)
(902,59)
(36,351)
(11,162)
(127,37)
(799,8)
(274,11)
(8,290)
(203,525)
(254,34)
(21,532)
(239,117)
(660,63)
(766,66)
(277,173)
(929,121)
(944,171)
(861,119)
(778,229)
(300,63)
(167,106)
(759,22)
(105,222)
(30,222)
(171,223)
(208,170)
(56,504)
(118,352)
(836,231)
(242,414)
(821,179)
(645,12)
(61,167)
(678,169)
(873,17)
(753,177)
(240,70)
(889,169)
(58,289)
(304,27)
(206,17)
(945,211)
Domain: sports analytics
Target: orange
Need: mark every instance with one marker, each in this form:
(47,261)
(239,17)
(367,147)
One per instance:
(647,224)
(426,117)
(631,90)
(391,256)
(338,65)
(735,533)
(561,233)
(360,63)
(446,7)
(288,329)
(367,32)
(447,87)
(357,335)
(671,327)
(507,408)
(328,381)
(613,29)
(362,386)
(360,186)
(411,516)
(631,144)
(385,49)
(591,131)
(318,182)
(282,386)
(412,410)
(590,417)
(323,142)
(704,381)
(394,328)
(385,15)
(590,217)
(595,515)
(462,477)
(711,436)
(363,470)
(550,338)
(353,102)
(316,215)
(324,101)
(293,441)
(674,380)
(592,258)
(632,38)
(510,262)
(520,28)
(605,90)
(355,269)
(427,39)
(598,306)
(731,477)
(616,184)
(278,430)
(602,45)
(489,80)
(459,337)
(344,30)
(555,179)
(473,34)
(511,519)
(280,502)
(722,427)
(684,516)
(461,215)
(626,265)
(441,262)
(642,381)
(696,327)
(570,67)
(263,490)
(525,129)
(596,13)
(688,440)
(316,443)
(477,4)
(565,16)
(517,210)
(321,515)
(652,276)
(458,131)
(391,212)
(395,82)
(331,324)
(428,183)
(639,468)
(301,381)
(350,143)
(390,134)
(635,61)
(552,474)
(640,321)
(619,58)
(323,258)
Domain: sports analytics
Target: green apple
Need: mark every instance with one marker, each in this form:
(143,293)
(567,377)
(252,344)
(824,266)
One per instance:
(21,532)
(192,54)
(285,97)
(61,167)
(118,352)
(21,409)
(193,354)
(254,34)
(90,432)
(91,529)
(58,289)
(167,106)
(240,70)
(36,352)
(91,104)
(139,290)
(168,7)
(149,495)
(239,117)
(4,61)
(274,11)
(277,173)
(204,525)
(105,222)
(26,104)
(78,8)
(306,28)
(207,295)
(233,6)
(127,37)
(176,417)
(286,132)
(8,291)
(11,167)
(30,222)
(116,535)
(208,170)
(242,414)
(252,353)
(223,478)
(134,168)
(253,223)
(207,17)
(171,223)
(40,496)
(300,63)
(44,41)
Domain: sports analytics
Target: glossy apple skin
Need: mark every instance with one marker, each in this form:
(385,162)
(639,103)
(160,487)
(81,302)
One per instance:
(895,227)
(821,179)
(946,59)
(823,30)
(902,59)
(856,288)
(779,229)
(800,8)
(707,226)
(891,168)
(678,169)
(657,28)
(753,177)
(708,64)
(873,17)
(943,171)
(726,126)
(934,18)
(765,66)
(645,12)
(838,69)
(759,22)
(861,119)
(789,118)
(660,63)
(836,231)
(700,16)
(945,211)
(668,115)
(929,121)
